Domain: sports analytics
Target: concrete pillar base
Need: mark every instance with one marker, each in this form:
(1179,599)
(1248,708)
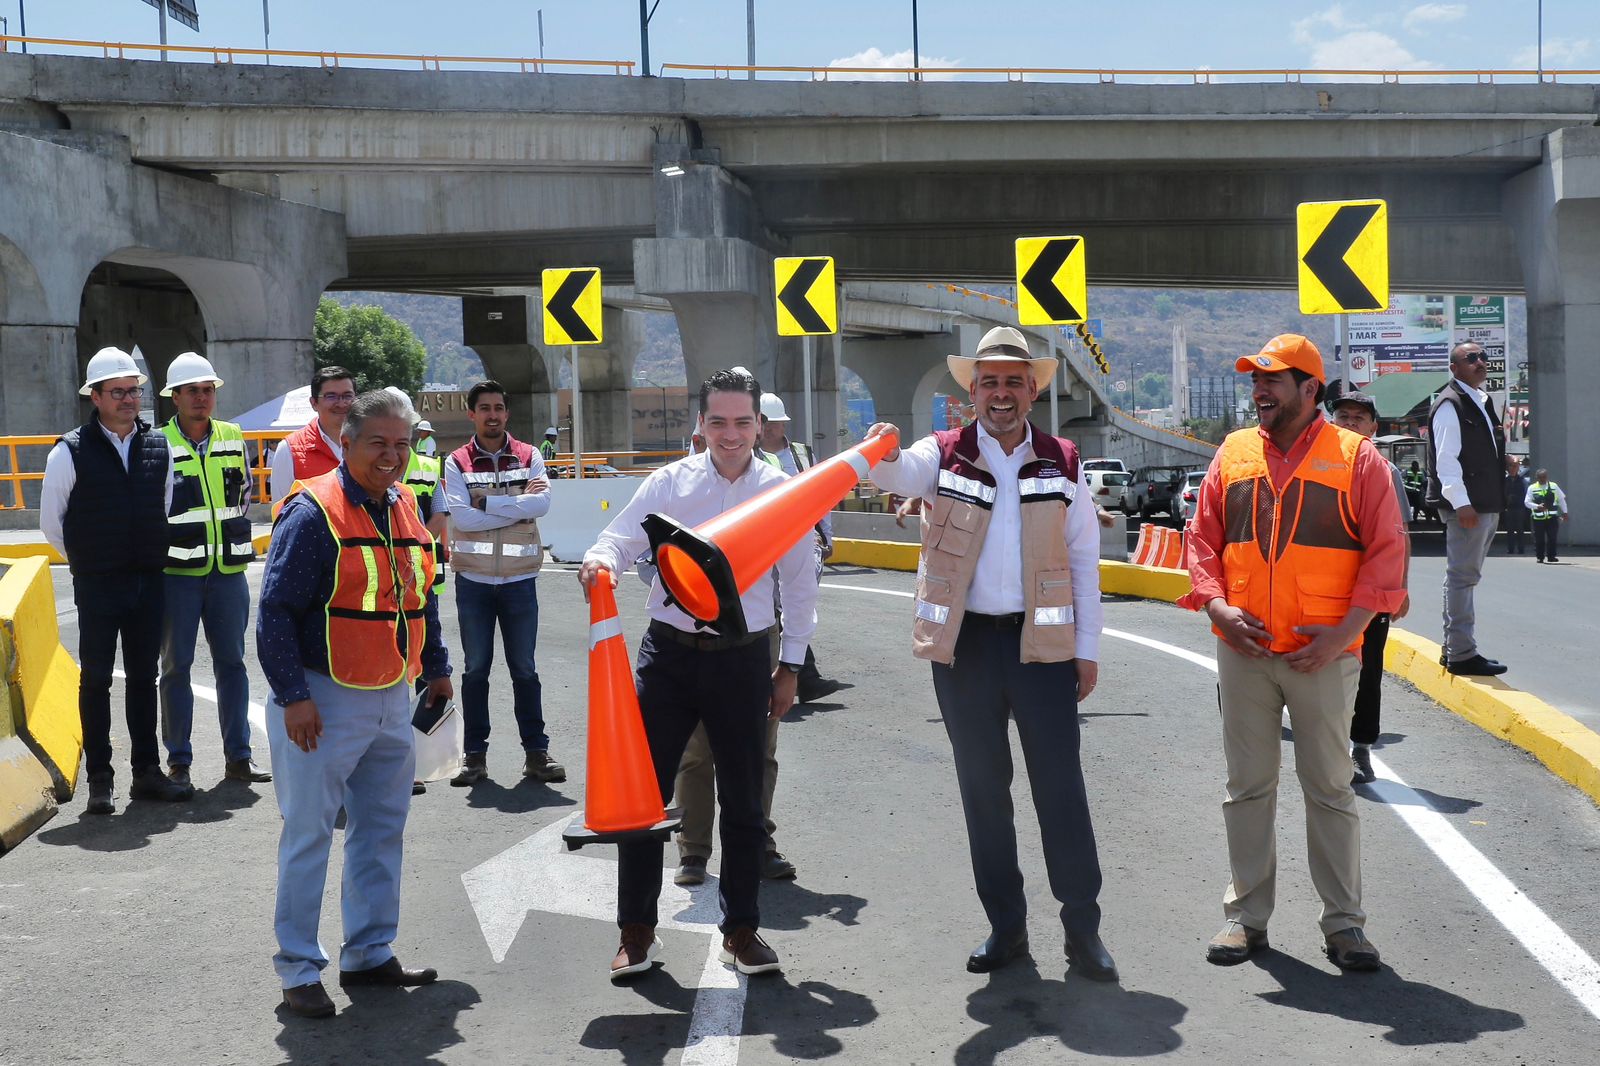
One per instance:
(41,379)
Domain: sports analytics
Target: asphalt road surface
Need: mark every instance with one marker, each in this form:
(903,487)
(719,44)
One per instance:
(146,937)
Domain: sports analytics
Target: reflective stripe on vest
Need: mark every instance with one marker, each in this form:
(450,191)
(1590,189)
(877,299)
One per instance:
(1290,557)
(380,588)
(422,478)
(208,524)
(1547,496)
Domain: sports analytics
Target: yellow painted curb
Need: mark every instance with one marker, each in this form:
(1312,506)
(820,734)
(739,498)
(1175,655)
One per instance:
(44,675)
(30,551)
(1146,582)
(1567,747)
(878,554)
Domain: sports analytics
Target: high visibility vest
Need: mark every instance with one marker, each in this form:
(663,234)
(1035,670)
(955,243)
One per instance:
(510,551)
(422,478)
(1546,494)
(208,524)
(1290,555)
(547,449)
(380,588)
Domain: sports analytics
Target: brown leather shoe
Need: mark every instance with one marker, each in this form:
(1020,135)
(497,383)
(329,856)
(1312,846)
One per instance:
(1349,949)
(745,949)
(638,950)
(541,767)
(308,1001)
(389,973)
(1235,943)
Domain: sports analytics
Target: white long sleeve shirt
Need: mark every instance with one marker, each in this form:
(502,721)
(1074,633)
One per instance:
(498,511)
(61,475)
(283,463)
(997,584)
(692,491)
(1447,447)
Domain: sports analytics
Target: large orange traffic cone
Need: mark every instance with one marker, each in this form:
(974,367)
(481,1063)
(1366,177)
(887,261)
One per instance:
(705,569)
(621,797)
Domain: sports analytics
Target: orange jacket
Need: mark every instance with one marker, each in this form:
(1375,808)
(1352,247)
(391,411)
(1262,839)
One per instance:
(1291,558)
(380,588)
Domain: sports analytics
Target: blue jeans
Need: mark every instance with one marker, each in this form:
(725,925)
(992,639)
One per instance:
(364,763)
(515,605)
(222,603)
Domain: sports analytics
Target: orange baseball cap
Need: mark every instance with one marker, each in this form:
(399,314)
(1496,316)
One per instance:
(1287,351)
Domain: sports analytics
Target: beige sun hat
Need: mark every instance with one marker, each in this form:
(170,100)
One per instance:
(1002,342)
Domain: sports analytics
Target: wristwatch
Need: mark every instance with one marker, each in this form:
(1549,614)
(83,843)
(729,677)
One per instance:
(793,668)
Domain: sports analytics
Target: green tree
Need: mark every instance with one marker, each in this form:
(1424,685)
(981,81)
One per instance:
(378,349)
(1152,390)
(1164,306)
(1211,430)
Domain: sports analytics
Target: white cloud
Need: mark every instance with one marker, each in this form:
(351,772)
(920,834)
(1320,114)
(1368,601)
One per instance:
(1365,50)
(874,57)
(1558,53)
(1314,28)
(1423,14)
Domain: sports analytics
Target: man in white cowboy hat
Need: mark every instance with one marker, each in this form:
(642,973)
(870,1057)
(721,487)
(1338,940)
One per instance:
(107,489)
(209,549)
(1008,611)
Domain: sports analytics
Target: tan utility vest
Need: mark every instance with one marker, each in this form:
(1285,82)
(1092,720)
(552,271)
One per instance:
(954,527)
(510,551)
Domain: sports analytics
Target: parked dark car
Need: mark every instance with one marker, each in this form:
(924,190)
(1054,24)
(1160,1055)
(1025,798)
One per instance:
(1155,490)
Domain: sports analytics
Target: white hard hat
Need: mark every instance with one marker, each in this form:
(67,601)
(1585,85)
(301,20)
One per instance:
(772,408)
(187,369)
(425,426)
(109,363)
(411,412)
(551,431)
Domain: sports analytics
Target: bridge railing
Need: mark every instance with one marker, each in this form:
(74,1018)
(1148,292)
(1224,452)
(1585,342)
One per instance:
(218,54)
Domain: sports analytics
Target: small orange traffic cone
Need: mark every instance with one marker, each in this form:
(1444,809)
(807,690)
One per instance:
(704,570)
(622,800)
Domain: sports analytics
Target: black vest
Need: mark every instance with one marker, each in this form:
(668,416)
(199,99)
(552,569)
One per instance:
(1483,451)
(116,520)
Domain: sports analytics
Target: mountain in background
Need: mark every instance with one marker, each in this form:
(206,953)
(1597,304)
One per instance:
(1136,333)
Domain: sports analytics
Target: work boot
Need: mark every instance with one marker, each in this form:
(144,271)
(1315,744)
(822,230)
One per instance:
(1088,957)
(100,795)
(308,1001)
(541,767)
(691,871)
(151,784)
(744,949)
(245,770)
(1349,949)
(637,952)
(776,868)
(1361,764)
(473,770)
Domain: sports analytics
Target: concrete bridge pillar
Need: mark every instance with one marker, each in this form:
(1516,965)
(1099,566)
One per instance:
(38,349)
(788,381)
(160,323)
(501,330)
(607,379)
(903,374)
(1555,211)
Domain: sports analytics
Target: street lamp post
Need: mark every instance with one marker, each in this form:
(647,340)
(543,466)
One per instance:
(641,379)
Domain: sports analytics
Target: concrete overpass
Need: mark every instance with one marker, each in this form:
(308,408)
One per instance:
(459,182)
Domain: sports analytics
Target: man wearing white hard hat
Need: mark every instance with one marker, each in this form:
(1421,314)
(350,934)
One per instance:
(107,490)
(426,445)
(1008,610)
(207,553)
(547,447)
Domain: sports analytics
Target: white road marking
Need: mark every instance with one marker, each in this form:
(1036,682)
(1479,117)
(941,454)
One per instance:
(1565,960)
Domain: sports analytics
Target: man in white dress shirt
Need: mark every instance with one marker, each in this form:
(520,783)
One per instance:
(686,677)
(1467,467)
(1008,610)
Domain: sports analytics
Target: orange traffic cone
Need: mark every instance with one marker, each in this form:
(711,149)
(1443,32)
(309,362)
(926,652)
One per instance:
(622,800)
(704,570)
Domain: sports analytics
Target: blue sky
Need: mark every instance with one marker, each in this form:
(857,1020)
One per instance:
(1477,34)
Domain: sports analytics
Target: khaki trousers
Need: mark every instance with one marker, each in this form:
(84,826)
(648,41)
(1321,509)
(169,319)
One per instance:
(695,793)
(1252,694)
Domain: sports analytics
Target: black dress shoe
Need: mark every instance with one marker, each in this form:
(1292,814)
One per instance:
(1088,957)
(308,1001)
(390,973)
(246,771)
(997,951)
(151,784)
(1476,666)
(100,796)
(821,688)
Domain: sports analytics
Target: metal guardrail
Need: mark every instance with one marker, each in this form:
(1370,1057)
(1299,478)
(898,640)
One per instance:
(218,54)
(527,65)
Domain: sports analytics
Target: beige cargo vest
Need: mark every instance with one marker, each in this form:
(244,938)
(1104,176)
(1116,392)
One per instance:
(510,551)
(953,530)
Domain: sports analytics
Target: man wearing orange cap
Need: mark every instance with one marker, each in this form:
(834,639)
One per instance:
(1297,542)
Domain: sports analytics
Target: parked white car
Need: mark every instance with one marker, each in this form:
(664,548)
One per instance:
(1110,488)
(1189,494)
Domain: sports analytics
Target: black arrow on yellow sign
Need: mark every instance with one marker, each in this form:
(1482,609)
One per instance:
(1039,279)
(1325,257)
(561,307)
(794,299)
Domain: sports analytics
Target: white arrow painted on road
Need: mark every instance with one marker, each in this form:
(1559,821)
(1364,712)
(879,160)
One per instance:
(541,874)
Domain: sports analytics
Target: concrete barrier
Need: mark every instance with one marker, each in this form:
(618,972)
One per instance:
(41,739)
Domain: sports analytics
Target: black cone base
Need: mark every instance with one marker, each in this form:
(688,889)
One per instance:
(577,834)
(729,620)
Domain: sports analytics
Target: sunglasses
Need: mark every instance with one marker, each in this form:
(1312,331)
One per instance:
(1474,357)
